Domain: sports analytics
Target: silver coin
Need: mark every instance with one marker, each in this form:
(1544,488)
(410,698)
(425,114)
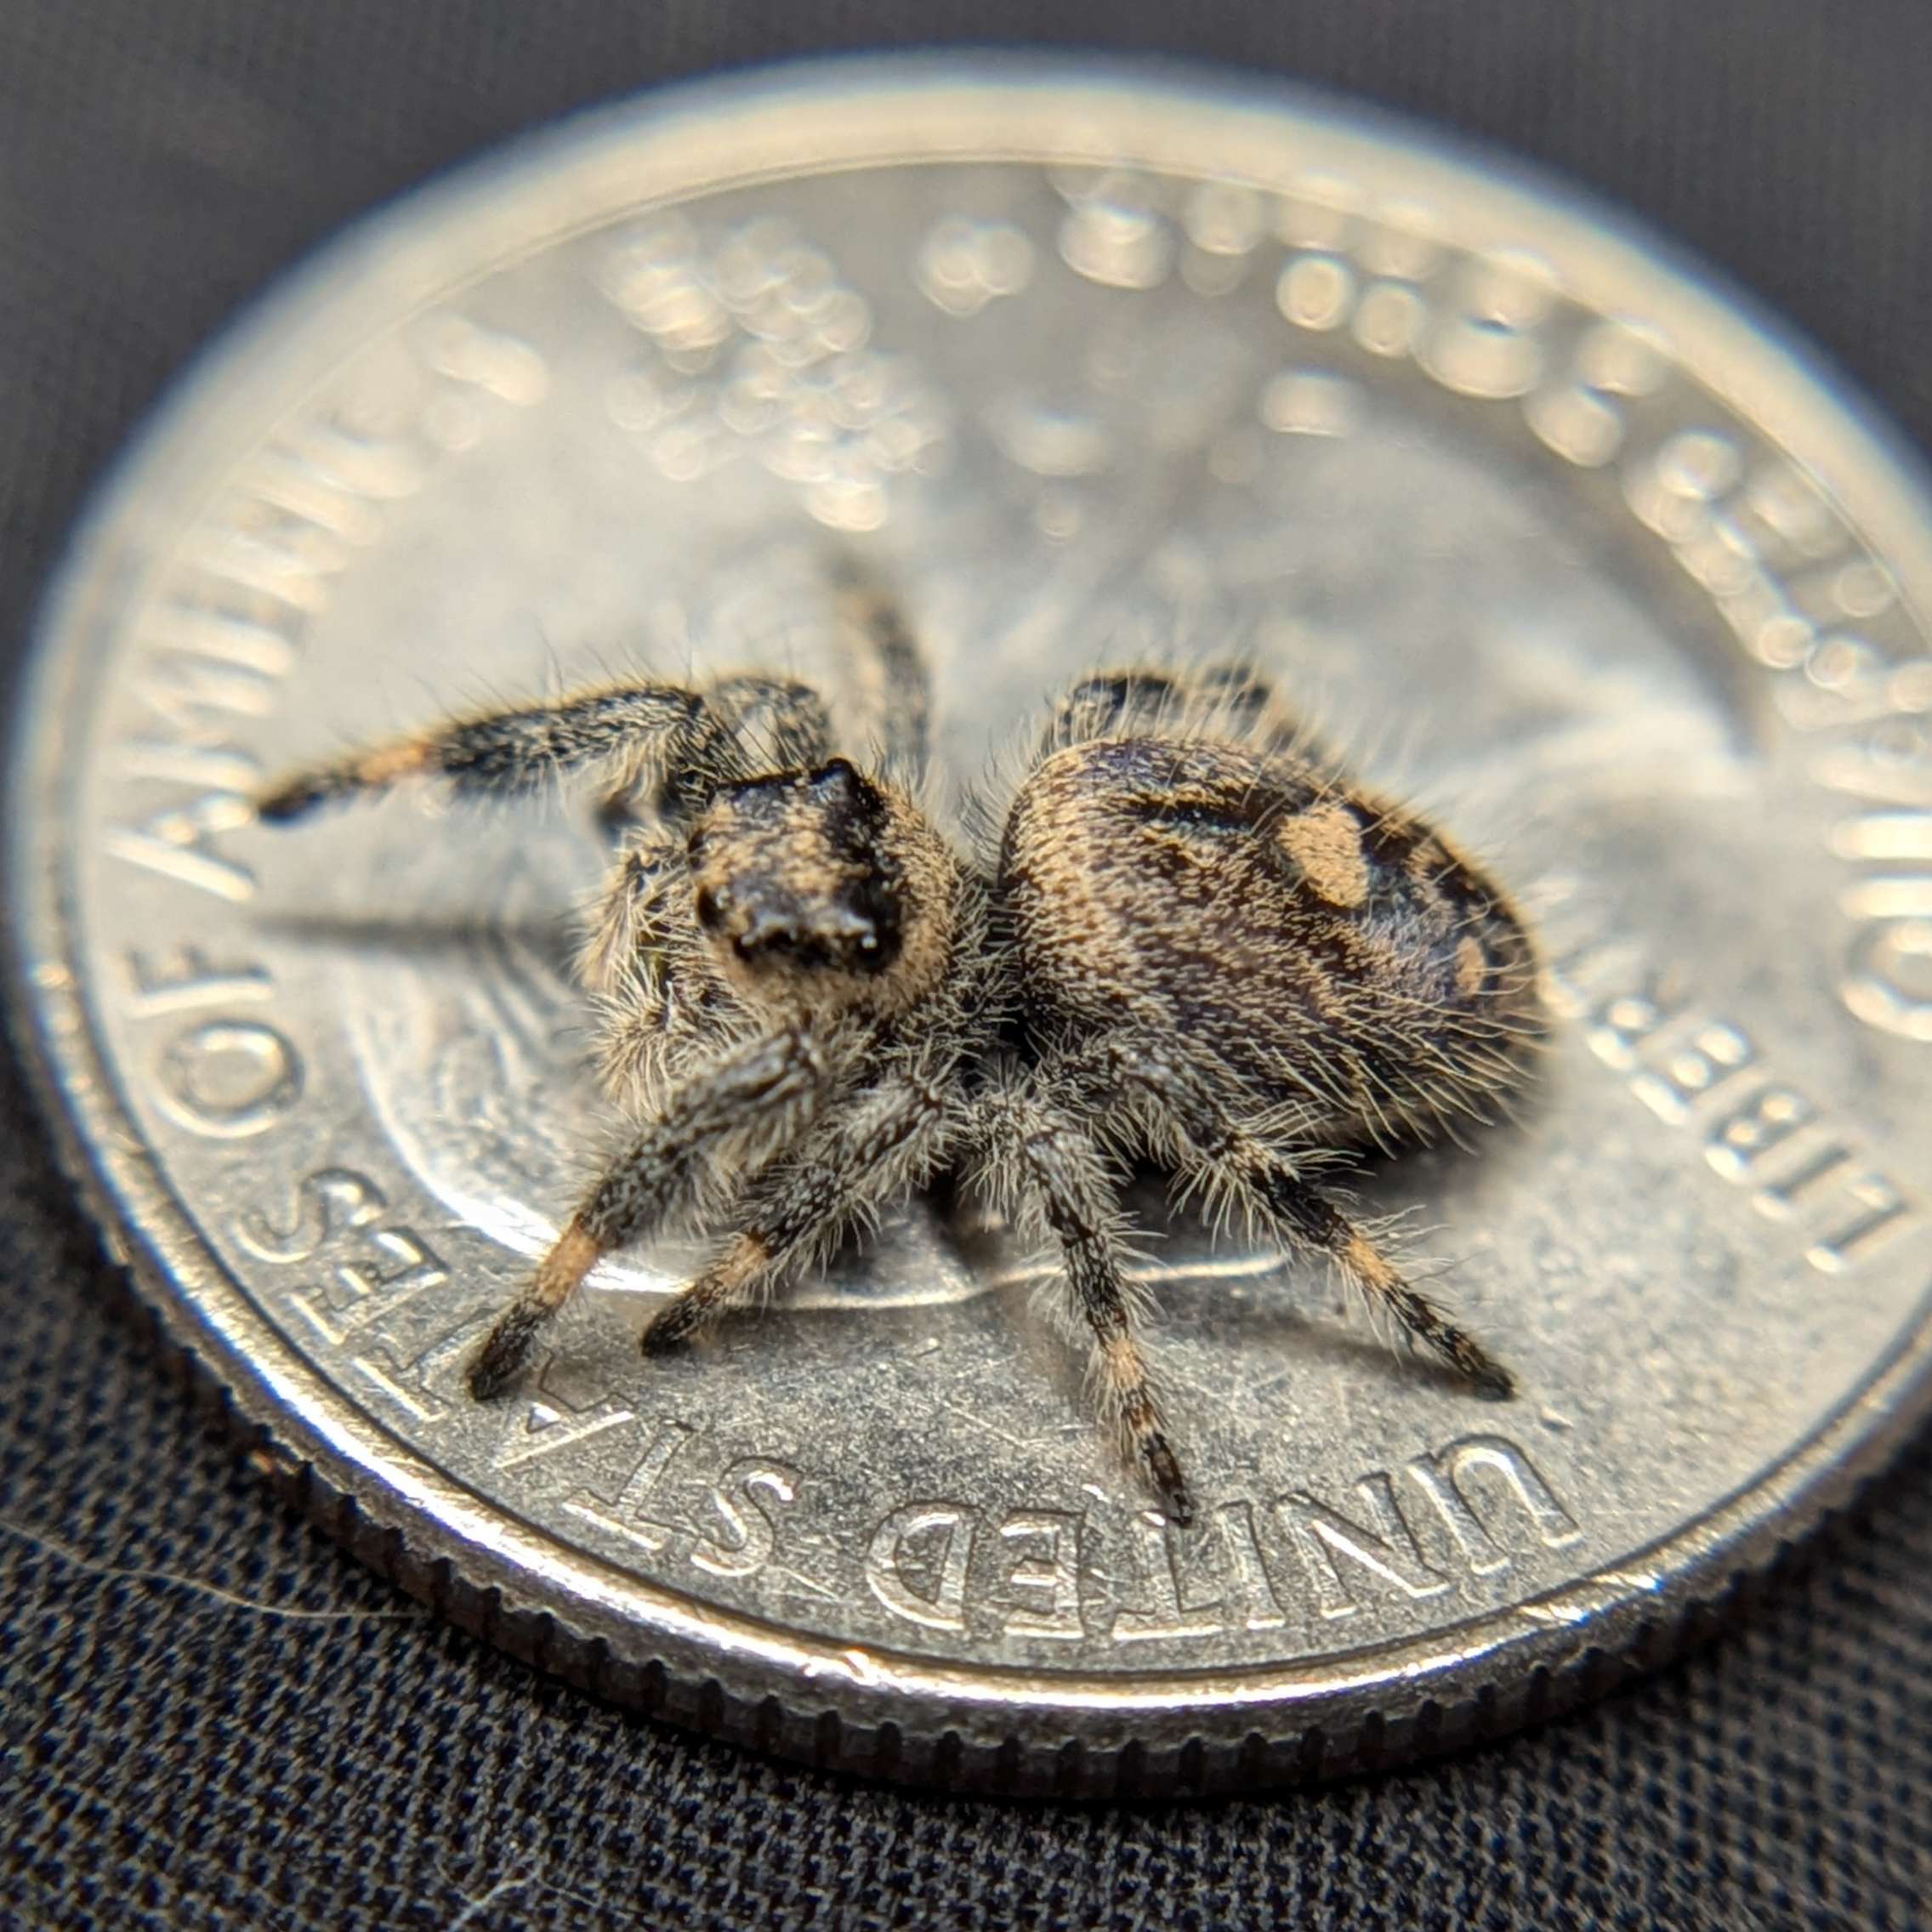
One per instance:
(1560,543)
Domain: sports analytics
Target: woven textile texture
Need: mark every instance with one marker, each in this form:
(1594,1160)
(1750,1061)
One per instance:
(211,1717)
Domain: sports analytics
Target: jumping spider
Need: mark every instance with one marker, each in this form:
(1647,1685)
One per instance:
(1192,942)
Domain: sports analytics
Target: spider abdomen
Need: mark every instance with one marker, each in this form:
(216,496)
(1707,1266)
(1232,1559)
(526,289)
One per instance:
(1321,946)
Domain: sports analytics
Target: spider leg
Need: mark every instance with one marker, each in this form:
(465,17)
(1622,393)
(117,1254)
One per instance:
(750,725)
(630,732)
(633,914)
(884,1143)
(749,1103)
(504,753)
(1038,1153)
(906,700)
(1308,1217)
(1233,699)
(1109,704)
(1262,1181)
(660,1006)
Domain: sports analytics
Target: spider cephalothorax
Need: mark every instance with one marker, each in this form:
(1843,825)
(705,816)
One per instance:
(1191,940)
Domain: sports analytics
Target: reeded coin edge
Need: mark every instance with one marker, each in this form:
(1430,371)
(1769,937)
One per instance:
(869,1711)
(993,1732)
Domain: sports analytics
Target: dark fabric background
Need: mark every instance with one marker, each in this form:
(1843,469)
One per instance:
(211,1717)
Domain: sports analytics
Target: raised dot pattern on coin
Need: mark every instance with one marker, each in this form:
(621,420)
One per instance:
(1559,546)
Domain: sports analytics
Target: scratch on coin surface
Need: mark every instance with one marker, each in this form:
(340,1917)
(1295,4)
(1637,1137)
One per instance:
(1644,1581)
(804,1582)
(1575,1606)
(133,1574)
(979,1421)
(1266,1386)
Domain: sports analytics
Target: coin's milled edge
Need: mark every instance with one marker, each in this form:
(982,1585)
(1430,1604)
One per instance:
(870,1712)
(877,1716)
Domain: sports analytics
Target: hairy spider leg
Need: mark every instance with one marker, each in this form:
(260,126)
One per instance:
(1261,1181)
(1234,698)
(751,726)
(751,1102)
(889,1141)
(635,913)
(905,699)
(629,734)
(1034,1147)
(660,1010)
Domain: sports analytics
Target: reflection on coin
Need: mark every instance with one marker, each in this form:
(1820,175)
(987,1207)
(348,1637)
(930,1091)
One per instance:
(1565,547)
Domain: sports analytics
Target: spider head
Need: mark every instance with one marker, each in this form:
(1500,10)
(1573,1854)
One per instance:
(814,889)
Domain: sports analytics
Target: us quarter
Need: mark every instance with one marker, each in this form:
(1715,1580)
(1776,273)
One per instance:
(1558,541)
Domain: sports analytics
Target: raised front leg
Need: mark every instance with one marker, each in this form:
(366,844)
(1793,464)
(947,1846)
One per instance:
(626,737)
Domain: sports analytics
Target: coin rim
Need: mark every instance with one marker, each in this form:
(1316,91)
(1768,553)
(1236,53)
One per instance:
(871,1709)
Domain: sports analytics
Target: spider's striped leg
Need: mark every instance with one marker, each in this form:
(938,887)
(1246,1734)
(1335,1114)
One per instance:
(1306,1218)
(1041,1161)
(883,1144)
(629,735)
(504,753)
(904,698)
(1260,1179)
(743,1107)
